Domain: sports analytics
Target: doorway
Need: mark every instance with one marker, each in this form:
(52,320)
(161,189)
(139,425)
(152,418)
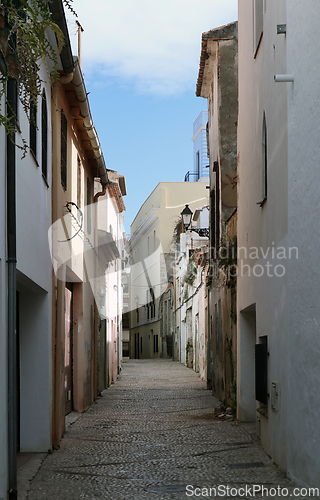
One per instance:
(68,358)
(136,345)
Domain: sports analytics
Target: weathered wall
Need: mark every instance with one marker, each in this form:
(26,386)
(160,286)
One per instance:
(78,267)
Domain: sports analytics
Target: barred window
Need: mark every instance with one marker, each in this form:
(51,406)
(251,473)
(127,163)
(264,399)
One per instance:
(33,128)
(44,136)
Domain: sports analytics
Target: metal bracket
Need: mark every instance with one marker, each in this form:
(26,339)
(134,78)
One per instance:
(201,231)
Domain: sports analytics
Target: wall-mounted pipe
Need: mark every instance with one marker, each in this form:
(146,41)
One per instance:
(66,79)
(283,78)
(11,297)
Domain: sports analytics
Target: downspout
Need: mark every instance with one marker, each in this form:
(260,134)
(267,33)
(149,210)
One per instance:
(209,386)
(96,283)
(12,262)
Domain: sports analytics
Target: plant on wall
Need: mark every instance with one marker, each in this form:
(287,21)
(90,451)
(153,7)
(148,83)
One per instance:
(24,46)
(190,274)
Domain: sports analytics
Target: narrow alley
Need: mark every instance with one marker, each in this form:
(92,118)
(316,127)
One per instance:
(153,435)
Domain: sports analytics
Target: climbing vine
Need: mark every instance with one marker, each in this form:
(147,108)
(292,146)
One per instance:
(24,46)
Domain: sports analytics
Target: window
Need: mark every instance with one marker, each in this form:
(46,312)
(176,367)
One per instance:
(64,137)
(198,165)
(78,182)
(155,344)
(151,307)
(88,205)
(261,371)
(125,320)
(264,159)
(44,136)
(33,128)
(257,24)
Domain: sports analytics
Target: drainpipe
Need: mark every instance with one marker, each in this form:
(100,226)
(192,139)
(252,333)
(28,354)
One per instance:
(208,339)
(12,261)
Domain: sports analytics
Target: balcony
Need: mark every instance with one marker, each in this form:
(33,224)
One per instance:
(194,177)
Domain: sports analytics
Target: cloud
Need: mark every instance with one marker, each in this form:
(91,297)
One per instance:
(154,45)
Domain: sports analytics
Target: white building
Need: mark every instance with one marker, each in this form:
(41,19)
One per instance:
(278,230)
(33,288)
(190,306)
(200,150)
(151,257)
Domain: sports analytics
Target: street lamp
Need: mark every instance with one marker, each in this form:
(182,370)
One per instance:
(186,216)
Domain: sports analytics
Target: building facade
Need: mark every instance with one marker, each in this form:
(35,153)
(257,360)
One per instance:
(55,252)
(278,150)
(200,150)
(218,83)
(151,251)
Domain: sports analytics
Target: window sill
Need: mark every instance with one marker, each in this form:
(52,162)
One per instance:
(256,50)
(262,202)
(263,411)
(34,157)
(45,180)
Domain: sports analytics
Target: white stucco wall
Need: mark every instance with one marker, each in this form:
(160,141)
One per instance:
(263,227)
(303,207)
(34,277)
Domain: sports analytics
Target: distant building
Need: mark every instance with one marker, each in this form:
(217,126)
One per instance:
(200,150)
(151,252)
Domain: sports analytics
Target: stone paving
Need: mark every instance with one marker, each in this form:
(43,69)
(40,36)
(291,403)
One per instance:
(153,435)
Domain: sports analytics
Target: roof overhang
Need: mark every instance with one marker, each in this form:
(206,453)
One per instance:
(209,50)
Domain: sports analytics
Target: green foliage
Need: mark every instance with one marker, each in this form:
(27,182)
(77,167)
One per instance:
(177,230)
(24,46)
(191,273)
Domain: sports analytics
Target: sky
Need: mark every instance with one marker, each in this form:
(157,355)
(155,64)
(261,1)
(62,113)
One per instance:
(140,60)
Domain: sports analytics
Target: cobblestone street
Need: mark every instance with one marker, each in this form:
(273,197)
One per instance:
(149,436)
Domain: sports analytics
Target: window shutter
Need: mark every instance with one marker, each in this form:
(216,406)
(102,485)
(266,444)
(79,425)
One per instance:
(64,152)
(44,136)
(261,373)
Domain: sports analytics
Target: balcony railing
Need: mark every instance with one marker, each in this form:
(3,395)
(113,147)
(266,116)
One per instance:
(194,177)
